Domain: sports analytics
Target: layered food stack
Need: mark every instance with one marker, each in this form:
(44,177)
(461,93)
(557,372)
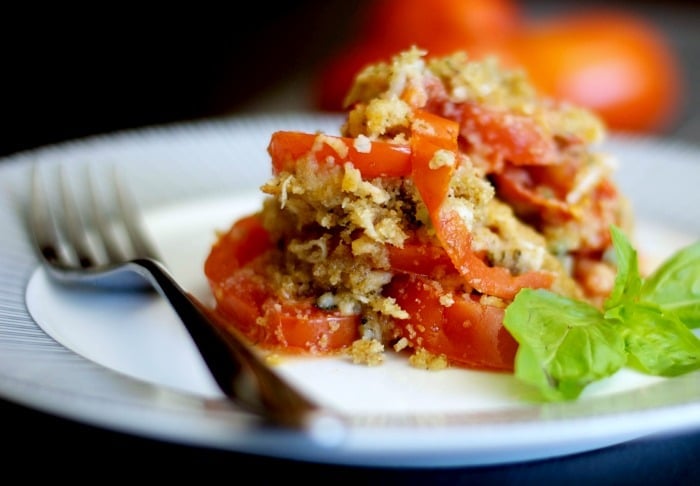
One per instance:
(450,186)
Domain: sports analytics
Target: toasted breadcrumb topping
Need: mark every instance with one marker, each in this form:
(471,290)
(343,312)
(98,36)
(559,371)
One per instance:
(333,227)
(428,361)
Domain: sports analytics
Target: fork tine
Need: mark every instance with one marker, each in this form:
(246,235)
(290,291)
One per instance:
(43,226)
(76,228)
(132,222)
(238,371)
(116,252)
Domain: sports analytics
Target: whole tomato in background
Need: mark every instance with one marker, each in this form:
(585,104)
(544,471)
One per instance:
(388,26)
(612,61)
(441,24)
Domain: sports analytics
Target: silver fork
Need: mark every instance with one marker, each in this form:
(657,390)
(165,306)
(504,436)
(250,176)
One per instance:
(84,248)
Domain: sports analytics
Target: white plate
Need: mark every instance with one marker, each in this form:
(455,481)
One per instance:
(125,363)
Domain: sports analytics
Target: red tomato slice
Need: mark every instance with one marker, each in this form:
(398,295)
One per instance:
(518,187)
(496,281)
(245,240)
(430,133)
(247,301)
(435,128)
(383,159)
(420,257)
(433,184)
(509,137)
(467,333)
(293,325)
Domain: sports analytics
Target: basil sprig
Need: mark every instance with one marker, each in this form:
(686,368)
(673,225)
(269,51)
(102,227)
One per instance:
(644,324)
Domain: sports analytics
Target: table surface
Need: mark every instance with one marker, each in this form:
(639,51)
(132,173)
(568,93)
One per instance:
(40,444)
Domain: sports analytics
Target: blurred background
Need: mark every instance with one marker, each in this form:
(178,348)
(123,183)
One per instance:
(68,74)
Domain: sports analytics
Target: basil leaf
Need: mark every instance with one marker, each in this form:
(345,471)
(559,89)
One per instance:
(564,344)
(675,285)
(658,343)
(628,281)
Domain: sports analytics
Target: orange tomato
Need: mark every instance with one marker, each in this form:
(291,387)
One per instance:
(609,61)
(381,160)
(335,78)
(444,24)
(389,26)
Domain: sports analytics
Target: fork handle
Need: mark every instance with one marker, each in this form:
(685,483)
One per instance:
(240,373)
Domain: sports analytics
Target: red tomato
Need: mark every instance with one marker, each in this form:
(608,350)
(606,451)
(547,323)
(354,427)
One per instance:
(292,325)
(382,159)
(611,62)
(420,257)
(431,132)
(335,78)
(467,333)
(390,26)
(247,301)
(508,136)
(244,241)
(443,24)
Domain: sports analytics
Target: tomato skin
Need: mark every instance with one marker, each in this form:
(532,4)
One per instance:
(467,332)
(611,62)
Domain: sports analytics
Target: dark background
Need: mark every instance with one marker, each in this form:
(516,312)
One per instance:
(68,74)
